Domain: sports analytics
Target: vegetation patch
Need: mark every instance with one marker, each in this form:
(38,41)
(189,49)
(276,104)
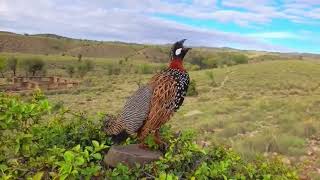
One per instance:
(39,141)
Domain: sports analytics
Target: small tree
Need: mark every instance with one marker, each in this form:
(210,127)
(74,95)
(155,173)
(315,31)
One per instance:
(84,68)
(2,66)
(79,57)
(33,65)
(89,65)
(12,64)
(71,70)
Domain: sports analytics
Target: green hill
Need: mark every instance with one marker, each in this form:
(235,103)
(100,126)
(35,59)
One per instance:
(59,45)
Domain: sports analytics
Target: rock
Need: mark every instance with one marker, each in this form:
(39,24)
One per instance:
(130,155)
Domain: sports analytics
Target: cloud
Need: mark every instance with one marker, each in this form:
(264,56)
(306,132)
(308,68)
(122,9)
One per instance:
(275,35)
(134,20)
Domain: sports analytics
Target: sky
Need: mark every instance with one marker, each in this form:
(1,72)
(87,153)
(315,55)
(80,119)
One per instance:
(270,25)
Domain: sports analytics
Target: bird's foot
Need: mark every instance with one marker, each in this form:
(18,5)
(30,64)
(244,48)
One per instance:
(143,146)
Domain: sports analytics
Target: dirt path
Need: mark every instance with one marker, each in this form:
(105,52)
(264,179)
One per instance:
(311,162)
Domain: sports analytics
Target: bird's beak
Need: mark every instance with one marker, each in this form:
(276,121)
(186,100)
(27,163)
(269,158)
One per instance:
(186,49)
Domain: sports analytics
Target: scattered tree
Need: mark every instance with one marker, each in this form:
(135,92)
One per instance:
(12,64)
(84,68)
(2,66)
(71,70)
(33,65)
(79,57)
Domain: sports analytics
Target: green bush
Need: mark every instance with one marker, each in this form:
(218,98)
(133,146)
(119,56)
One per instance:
(85,67)
(37,143)
(145,69)
(192,90)
(71,70)
(33,65)
(219,59)
(113,69)
(2,66)
(12,64)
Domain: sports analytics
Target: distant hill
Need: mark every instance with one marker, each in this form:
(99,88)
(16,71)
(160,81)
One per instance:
(60,45)
(50,36)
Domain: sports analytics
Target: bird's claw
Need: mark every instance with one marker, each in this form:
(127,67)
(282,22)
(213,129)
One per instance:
(143,146)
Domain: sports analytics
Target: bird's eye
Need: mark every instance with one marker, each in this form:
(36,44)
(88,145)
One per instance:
(178,51)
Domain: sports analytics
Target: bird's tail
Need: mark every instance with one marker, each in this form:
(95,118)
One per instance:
(114,127)
(122,136)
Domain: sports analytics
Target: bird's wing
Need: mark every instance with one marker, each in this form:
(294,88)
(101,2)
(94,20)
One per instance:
(162,103)
(136,109)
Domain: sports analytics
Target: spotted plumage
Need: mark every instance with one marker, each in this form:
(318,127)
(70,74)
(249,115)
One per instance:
(182,79)
(153,104)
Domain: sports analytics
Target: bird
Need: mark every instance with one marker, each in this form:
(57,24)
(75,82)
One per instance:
(153,104)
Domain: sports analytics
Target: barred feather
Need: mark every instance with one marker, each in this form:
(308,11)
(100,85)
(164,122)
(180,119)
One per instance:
(133,115)
(136,109)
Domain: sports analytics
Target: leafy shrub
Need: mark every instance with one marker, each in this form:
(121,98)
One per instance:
(85,67)
(36,144)
(219,59)
(113,69)
(2,66)
(145,69)
(192,91)
(12,64)
(33,65)
(71,70)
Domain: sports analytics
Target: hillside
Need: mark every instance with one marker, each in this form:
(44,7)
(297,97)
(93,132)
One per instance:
(60,45)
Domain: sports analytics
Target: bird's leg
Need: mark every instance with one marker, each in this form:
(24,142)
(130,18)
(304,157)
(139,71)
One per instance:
(143,146)
(162,145)
(141,138)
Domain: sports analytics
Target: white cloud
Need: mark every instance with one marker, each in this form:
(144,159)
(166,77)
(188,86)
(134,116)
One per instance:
(132,20)
(275,35)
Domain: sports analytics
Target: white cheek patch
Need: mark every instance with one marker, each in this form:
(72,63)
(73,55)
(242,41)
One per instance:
(178,51)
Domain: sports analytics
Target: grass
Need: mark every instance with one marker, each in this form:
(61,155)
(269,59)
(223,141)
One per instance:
(256,99)
(266,107)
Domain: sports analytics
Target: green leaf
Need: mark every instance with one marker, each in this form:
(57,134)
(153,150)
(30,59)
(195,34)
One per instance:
(97,156)
(79,161)
(89,148)
(66,168)
(162,176)
(169,177)
(95,144)
(38,176)
(77,148)
(68,156)
(74,172)
(64,176)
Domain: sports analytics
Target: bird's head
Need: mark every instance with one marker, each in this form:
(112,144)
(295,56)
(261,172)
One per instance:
(177,53)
